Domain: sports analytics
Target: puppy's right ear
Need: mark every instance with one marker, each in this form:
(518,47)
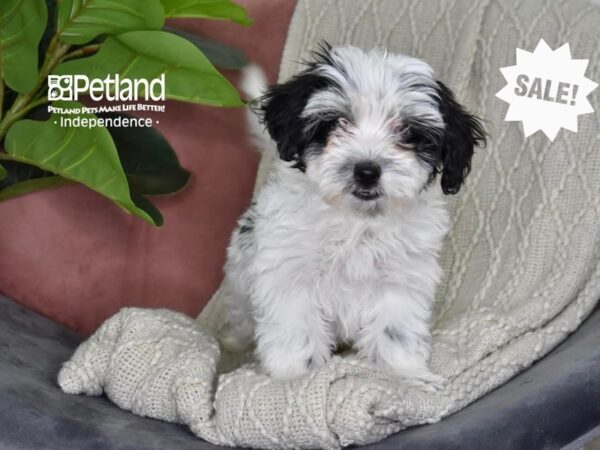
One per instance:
(281,109)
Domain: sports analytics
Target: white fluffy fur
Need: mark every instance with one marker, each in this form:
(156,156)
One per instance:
(318,266)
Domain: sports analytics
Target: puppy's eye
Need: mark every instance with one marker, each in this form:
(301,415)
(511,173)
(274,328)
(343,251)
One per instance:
(403,133)
(343,123)
(400,130)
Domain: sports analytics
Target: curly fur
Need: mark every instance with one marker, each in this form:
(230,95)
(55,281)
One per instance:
(342,242)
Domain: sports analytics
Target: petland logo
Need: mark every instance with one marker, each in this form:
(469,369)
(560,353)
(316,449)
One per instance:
(111,88)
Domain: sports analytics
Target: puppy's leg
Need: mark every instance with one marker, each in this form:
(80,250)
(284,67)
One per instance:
(395,336)
(238,335)
(291,335)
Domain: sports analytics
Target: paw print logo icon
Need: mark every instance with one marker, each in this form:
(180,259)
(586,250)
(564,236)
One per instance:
(60,87)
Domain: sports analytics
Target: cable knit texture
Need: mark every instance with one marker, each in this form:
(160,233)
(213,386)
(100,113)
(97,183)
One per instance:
(521,263)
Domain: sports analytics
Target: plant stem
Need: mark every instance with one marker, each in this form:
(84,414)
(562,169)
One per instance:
(22,104)
(34,104)
(1,88)
(83,51)
(1,93)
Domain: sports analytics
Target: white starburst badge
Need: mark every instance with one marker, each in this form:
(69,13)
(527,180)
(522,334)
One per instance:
(546,90)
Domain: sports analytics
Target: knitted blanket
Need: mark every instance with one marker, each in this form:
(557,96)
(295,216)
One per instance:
(521,263)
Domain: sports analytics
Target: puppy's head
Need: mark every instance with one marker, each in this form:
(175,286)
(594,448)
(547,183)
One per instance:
(371,129)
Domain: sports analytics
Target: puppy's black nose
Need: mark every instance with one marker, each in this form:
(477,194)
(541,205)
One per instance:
(367,173)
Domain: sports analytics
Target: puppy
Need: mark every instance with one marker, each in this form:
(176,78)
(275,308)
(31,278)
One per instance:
(341,244)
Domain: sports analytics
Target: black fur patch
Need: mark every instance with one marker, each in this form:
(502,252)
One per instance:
(247,227)
(283,104)
(426,142)
(448,151)
(463,132)
(247,220)
(394,335)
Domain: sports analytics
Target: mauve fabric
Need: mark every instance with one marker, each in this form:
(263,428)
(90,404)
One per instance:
(77,258)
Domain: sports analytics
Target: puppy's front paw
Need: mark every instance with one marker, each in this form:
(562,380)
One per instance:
(286,367)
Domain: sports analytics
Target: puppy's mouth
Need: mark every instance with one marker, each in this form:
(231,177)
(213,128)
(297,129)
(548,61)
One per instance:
(366,194)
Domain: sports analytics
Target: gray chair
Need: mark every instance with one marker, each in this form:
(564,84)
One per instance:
(554,404)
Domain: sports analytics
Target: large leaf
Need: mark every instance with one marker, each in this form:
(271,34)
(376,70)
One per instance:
(206,9)
(80,21)
(189,76)
(22,23)
(149,162)
(24,178)
(28,186)
(145,204)
(221,55)
(17,172)
(85,155)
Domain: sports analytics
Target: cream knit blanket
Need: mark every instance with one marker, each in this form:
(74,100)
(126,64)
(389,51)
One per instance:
(521,263)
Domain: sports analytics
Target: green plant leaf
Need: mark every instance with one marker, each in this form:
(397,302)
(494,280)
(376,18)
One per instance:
(145,204)
(189,76)
(85,155)
(80,21)
(221,55)
(22,23)
(149,162)
(24,178)
(17,172)
(28,186)
(206,9)
(2,173)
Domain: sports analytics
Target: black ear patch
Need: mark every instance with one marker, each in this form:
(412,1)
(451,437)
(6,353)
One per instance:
(282,105)
(463,132)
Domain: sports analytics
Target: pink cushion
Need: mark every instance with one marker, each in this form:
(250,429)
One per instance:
(75,257)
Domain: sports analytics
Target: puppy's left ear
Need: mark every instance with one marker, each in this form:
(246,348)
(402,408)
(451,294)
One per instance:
(463,132)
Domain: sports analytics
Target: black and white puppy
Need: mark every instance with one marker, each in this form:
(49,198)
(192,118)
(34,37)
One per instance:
(342,242)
